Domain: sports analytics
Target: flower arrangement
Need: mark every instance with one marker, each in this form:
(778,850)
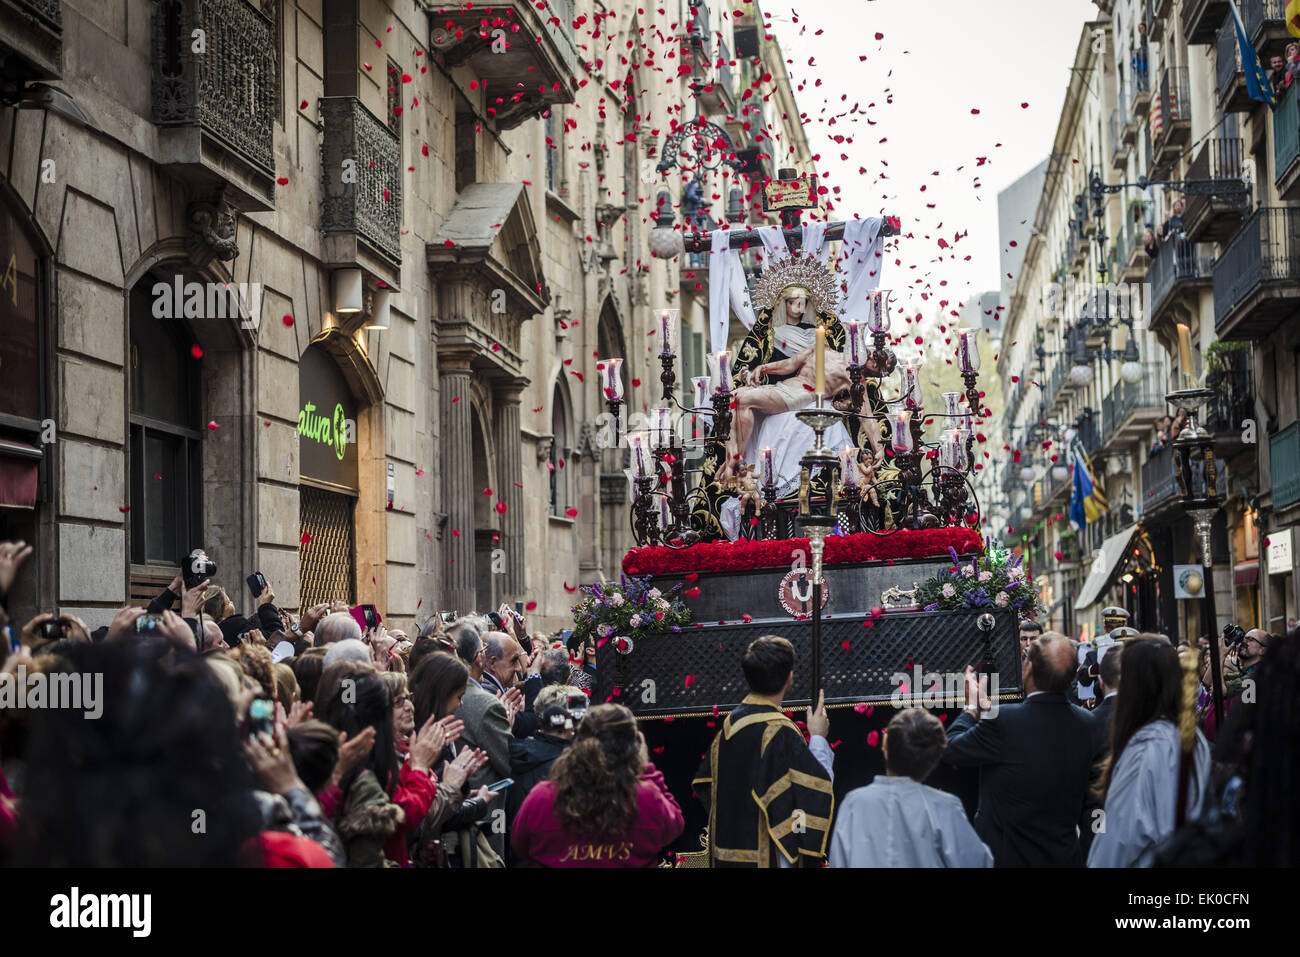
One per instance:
(994,580)
(627,609)
(743,555)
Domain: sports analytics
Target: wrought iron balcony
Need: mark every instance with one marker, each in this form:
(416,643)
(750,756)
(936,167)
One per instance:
(33,30)
(1118,148)
(217,107)
(1130,253)
(521,52)
(1171,119)
(1231,82)
(1180,266)
(1257,278)
(1140,89)
(1265,23)
(1131,409)
(718,94)
(1201,19)
(1159,483)
(361,212)
(1233,403)
(1286,143)
(1284,465)
(1221,197)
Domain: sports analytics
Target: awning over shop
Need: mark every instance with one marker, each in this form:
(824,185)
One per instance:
(1103,569)
(1246,575)
(19,468)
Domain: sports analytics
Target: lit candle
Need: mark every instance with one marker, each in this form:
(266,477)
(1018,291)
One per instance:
(613,381)
(820,364)
(878,320)
(769,467)
(911,389)
(856,348)
(667,319)
(640,461)
(722,373)
(661,430)
(968,351)
(1185,350)
(849,465)
(902,423)
(700,391)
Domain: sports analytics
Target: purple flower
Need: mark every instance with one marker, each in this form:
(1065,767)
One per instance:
(953,552)
(977,598)
(935,605)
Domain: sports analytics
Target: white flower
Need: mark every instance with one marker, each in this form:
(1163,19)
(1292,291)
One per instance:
(654,593)
(661,604)
(1016,574)
(1002,600)
(616,600)
(605,630)
(986,576)
(967,571)
(949,591)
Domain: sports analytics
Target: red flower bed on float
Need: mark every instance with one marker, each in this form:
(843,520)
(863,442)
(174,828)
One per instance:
(743,555)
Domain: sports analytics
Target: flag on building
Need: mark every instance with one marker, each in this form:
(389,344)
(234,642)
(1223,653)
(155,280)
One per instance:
(1087,500)
(1293,17)
(1257,84)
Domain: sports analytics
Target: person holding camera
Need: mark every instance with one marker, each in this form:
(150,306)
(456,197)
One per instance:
(604,805)
(582,658)
(560,709)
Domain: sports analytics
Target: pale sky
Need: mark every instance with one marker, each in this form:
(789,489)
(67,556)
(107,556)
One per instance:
(938,60)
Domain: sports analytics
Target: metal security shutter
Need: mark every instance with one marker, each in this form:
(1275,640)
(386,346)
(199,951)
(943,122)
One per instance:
(326,570)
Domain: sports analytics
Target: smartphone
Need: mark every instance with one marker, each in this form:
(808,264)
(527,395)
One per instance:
(519,609)
(500,785)
(367,616)
(448,617)
(15,640)
(261,715)
(256,584)
(148,624)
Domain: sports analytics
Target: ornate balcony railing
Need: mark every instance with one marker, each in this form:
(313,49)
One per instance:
(1263,258)
(1234,399)
(1127,398)
(1286,140)
(1177,261)
(369,202)
(228,90)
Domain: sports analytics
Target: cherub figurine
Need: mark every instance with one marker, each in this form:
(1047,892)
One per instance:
(867,466)
(744,483)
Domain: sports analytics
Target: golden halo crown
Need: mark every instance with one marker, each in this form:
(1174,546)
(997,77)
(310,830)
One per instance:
(804,272)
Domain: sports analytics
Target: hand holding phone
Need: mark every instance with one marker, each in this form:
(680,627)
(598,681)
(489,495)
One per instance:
(257,585)
(500,785)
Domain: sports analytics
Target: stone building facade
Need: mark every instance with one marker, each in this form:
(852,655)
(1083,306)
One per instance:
(321,286)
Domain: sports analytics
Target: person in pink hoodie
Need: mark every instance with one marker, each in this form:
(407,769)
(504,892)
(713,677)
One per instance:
(605,804)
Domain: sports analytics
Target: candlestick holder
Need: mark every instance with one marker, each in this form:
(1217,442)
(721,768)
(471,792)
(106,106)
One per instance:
(884,359)
(770,512)
(722,416)
(817,515)
(684,532)
(857,387)
(645,523)
(851,507)
(972,393)
(668,377)
(615,407)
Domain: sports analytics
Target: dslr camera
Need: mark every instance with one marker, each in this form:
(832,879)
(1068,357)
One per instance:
(567,718)
(196,566)
(1233,635)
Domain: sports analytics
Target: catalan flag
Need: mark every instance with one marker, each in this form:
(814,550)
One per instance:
(1257,84)
(1087,500)
(1293,17)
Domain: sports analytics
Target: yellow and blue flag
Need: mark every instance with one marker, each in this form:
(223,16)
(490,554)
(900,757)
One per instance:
(1257,84)
(1087,500)
(1293,17)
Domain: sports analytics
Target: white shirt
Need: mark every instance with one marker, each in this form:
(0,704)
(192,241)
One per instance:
(899,822)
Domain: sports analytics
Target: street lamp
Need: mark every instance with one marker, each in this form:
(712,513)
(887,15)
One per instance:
(1198,486)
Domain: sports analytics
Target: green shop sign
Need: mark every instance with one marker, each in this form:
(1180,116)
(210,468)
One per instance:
(327,417)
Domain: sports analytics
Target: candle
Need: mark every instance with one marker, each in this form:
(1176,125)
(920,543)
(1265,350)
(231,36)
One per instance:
(902,423)
(849,465)
(721,373)
(878,320)
(661,429)
(856,346)
(700,391)
(665,513)
(945,452)
(820,365)
(613,380)
(769,467)
(968,352)
(1185,350)
(911,390)
(960,448)
(952,403)
(640,461)
(668,323)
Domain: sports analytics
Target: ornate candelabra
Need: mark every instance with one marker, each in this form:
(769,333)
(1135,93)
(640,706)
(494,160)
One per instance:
(1198,485)
(817,516)
(645,523)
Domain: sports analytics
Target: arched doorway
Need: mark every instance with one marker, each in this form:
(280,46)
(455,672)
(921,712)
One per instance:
(329,480)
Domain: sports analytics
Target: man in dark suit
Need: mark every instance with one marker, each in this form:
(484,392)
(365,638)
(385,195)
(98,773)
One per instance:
(1034,760)
(487,720)
(1108,669)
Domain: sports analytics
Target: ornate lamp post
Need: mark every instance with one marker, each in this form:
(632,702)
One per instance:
(1198,485)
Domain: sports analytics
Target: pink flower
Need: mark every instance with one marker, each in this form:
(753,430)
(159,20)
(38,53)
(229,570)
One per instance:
(986,576)
(949,591)
(1002,600)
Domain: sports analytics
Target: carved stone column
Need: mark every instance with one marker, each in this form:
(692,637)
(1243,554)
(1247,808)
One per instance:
(510,478)
(457,463)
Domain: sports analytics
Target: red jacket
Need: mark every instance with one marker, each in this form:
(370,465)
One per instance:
(8,813)
(539,837)
(414,795)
